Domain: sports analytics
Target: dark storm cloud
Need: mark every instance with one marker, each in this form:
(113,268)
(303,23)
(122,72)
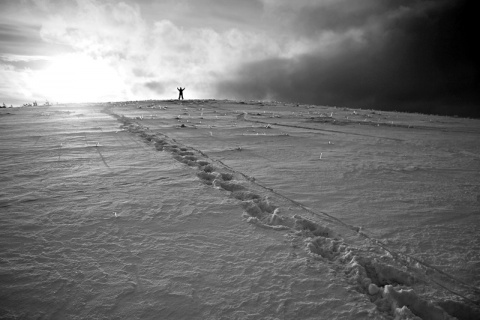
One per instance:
(341,15)
(413,56)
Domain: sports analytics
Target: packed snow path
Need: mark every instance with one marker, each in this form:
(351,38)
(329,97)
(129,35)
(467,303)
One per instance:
(99,224)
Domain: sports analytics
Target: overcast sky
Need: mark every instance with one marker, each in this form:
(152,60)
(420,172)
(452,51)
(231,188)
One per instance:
(395,54)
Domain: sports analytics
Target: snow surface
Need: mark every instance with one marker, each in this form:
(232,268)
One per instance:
(209,209)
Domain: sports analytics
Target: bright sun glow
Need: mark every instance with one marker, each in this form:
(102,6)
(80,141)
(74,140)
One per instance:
(77,78)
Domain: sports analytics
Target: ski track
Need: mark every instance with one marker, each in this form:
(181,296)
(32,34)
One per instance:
(392,284)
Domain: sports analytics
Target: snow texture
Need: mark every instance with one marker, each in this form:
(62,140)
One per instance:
(128,210)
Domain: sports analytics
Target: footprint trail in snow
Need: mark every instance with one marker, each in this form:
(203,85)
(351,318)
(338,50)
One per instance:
(398,285)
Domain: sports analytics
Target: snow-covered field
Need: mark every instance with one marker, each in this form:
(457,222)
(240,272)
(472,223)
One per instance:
(208,209)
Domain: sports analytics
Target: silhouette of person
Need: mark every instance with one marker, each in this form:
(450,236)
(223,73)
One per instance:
(180,93)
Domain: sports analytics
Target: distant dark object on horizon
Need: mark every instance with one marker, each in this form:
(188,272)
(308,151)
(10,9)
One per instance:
(180,93)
